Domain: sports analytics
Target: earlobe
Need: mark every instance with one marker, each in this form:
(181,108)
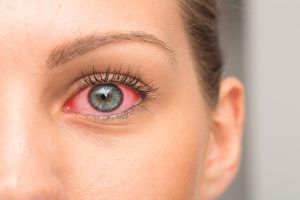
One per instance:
(223,155)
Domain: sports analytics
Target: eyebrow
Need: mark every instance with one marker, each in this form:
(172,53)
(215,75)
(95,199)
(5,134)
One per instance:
(82,45)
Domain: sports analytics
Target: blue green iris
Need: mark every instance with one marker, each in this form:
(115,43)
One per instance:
(105,97)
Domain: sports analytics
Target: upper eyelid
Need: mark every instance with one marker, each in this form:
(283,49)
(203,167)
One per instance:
(117,71)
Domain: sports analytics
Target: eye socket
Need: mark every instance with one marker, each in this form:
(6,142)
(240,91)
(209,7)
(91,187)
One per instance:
(103,100)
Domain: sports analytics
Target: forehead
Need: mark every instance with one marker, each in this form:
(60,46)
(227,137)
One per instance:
(50,19)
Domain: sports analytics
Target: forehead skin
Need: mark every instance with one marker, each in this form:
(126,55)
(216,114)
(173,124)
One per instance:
(159,158)
(44,23)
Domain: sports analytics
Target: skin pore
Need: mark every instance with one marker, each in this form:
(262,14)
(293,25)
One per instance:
(172,145)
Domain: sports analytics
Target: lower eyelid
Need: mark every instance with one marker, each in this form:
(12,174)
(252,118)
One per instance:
(125,119)
(113,117)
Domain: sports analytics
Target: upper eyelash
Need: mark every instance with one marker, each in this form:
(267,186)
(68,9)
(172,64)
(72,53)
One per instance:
(114,75)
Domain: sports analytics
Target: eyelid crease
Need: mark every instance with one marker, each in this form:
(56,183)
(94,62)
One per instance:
(82,45)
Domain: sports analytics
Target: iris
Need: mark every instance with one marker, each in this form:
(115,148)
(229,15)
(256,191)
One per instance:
(105,97)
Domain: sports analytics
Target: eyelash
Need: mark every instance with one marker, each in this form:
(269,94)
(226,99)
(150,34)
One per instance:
(130,78)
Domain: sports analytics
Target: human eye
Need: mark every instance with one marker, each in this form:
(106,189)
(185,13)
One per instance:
(109,95)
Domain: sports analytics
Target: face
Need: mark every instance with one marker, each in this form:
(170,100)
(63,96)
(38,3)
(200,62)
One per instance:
(99,100)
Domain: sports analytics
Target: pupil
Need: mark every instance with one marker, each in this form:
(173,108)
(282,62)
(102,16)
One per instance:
(105,97)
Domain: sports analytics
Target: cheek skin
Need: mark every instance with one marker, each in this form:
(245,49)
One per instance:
(162,161)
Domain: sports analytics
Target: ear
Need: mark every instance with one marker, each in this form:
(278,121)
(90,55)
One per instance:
(224,149)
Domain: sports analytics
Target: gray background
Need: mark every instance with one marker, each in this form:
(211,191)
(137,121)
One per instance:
(261,46)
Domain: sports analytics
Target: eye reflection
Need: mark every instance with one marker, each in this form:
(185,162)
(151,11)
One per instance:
(105,97)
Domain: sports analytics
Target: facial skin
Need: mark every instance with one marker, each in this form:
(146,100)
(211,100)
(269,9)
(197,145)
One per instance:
(172,146)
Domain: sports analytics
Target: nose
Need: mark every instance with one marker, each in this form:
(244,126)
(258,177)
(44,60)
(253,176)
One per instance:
(29,158)
(14,188)
(28,173)
(28,170)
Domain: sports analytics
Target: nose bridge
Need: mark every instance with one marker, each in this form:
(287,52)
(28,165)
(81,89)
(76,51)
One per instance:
(26,145)
(29,152)
(28,169)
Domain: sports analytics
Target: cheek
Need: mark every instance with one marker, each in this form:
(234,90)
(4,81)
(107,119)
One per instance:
(183,151)
(177,162)
(163,159)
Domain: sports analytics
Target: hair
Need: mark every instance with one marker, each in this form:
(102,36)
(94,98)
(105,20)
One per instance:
(201,21)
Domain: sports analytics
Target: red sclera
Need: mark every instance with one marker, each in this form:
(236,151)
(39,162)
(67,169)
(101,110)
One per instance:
(80,102)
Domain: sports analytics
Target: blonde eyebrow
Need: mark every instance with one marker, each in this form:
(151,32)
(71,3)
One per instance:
(82,45)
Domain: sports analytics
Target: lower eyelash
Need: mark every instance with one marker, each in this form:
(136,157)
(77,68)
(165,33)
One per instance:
(118,116)
(113,120)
